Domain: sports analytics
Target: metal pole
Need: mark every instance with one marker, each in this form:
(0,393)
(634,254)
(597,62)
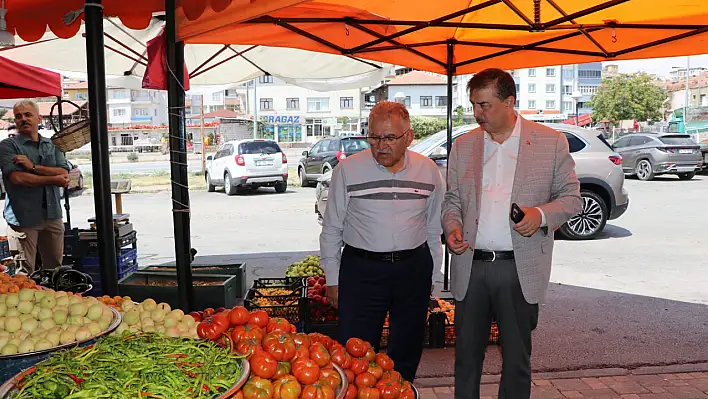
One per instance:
(576,113)
(96,68)
(450,72)
(178,160)
(201,118)
(255,109)
(685,101)
(60,112)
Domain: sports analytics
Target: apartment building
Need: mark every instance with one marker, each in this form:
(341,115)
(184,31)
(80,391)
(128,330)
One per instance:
(128,107)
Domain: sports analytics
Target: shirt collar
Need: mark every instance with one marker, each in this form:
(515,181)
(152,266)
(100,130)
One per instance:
(406,161)
(24,139)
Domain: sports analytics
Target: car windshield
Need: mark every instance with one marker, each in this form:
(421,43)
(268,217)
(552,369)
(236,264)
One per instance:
(428,142)
(258,147)
(355,144)
(677,140)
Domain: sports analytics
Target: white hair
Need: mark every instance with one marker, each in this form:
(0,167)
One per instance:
(387,109)
(28,103)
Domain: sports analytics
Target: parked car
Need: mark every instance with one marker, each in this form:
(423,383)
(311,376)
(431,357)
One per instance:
(596,165)
(251,164)
(647,155)
(76,181)
(326,154)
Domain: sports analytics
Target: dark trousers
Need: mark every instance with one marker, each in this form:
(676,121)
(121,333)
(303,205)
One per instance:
(494,287)
(368,289)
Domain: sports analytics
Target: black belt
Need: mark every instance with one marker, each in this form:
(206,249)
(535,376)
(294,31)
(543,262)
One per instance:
(491,256)
(393,256)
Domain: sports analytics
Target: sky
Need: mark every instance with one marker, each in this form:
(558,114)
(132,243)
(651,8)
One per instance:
(659,66)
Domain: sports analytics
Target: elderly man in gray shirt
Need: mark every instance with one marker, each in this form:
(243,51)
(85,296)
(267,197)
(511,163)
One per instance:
(33,169)
(384,210)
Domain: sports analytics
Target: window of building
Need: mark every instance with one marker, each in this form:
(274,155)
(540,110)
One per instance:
(532,72)
(141,112)
(266,103)
(441,101)
(550,88)
(589,74)
(550,72)
(588,90)
(346,102)
(532,87)
(317,104)
(292,103)
(266,79)
(567,89)
(518,88)
(532,104)
(550,104)
(405,101)
(119,112)
(217,96)
(567,106)
(426,101)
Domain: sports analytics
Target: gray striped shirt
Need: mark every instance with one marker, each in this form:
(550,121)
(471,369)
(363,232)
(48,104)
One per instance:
(371,208)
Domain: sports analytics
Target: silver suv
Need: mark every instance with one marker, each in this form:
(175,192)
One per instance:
(646,155)
(598,168)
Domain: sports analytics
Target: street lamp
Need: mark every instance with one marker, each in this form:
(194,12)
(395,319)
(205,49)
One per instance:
(576,98)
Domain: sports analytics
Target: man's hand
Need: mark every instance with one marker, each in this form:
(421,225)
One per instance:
(23,161)
(62,181)
(333,295)
(456,242)
(530,223)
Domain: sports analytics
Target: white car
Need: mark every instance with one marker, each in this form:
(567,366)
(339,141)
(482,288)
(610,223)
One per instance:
(247,164)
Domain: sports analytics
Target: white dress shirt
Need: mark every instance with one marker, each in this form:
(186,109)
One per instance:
(493,231)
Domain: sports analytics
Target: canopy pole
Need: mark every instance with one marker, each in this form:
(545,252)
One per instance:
(96,68)
(450,71)
(178,160)
(60,112)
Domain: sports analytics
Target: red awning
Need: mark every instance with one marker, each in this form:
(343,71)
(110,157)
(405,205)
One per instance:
(583,120)
(23,81)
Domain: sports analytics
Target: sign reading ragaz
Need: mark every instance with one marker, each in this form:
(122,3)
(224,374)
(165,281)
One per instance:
(281,119)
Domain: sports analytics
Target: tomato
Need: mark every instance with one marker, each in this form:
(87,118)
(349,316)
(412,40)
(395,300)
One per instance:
(319,354)
(368,393)
(375,370)
(323,339)
(208,311)
(317,391)
(301,353)
(359,366)
(341,358)
(287,387)
(238,316)
(222,321)
(331,377)
(370,355)
(405,385)
(356,347)
(407,393)
(293,329)
(257,388)
(301,339)
(239,395)
(392,375)
(278,324)
(384,361)
(337,346)
(351,392)
(365,380)
(280,346)
(248,347)
(350,376)
(306,371)
(197,316)
(389,389)
(259,318)
(263,364)
(248,331)
(212,327)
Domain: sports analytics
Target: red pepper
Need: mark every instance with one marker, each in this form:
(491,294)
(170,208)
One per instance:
(178,355)
(76,379)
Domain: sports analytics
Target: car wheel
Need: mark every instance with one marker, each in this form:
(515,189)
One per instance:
(81,183)
(281,186)
(229,188)
(210,187)
(686,176)
(303,177)
(590,221)
(644,170)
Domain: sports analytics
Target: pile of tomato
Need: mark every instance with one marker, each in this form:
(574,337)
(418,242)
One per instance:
(289,365)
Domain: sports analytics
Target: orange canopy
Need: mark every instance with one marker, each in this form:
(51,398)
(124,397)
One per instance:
(30,19)
(477,34)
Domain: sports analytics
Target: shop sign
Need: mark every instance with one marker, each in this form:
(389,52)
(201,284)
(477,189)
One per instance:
(281,119)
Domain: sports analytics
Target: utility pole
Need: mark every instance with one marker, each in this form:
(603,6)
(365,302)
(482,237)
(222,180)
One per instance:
(255,109)
(201,119)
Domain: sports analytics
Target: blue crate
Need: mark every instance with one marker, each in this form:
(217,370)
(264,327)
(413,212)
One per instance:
(5,249)
(128,258)
(96,276)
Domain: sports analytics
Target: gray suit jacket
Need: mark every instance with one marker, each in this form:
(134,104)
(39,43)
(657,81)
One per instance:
(545,178)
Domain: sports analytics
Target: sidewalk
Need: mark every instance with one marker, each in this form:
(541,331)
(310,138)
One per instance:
(692,385)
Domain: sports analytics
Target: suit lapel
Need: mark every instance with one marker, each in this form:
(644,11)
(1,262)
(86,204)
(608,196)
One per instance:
(478,162)
(524,159)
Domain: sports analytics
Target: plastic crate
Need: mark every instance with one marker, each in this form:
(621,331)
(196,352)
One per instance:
(128,258)
(5,249)
(442,326)
(284,297)
(386,332)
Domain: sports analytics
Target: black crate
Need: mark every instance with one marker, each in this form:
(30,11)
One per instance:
(386,332)
(442,329)
(287,304)
(205,296)
(238,270)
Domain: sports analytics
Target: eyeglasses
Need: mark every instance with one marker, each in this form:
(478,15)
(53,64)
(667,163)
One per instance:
(387,139)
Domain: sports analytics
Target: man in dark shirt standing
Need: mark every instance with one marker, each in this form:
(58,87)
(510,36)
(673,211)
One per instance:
(33,169)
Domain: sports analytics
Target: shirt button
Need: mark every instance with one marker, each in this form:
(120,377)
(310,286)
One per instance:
(395,196)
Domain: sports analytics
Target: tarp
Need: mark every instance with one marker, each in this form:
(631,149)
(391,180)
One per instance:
(508,34)
(25,81)
(126,61)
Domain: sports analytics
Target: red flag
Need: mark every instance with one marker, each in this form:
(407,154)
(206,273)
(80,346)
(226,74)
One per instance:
(156,72)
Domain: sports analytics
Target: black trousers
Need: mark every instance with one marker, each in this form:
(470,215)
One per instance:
(494,287)
(368,289)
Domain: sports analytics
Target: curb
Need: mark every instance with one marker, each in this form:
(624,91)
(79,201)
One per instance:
(433,382)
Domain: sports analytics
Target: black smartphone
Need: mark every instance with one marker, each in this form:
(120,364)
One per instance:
(517,215)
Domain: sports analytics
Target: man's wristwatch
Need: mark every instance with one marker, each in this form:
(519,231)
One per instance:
(34,167)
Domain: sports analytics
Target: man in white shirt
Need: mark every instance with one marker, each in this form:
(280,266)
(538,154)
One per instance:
(501,267)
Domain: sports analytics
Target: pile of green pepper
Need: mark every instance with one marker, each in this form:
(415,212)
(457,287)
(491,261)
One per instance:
(142,365)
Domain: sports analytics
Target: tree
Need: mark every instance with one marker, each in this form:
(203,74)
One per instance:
(3,111)
(628,97)
(460,111)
